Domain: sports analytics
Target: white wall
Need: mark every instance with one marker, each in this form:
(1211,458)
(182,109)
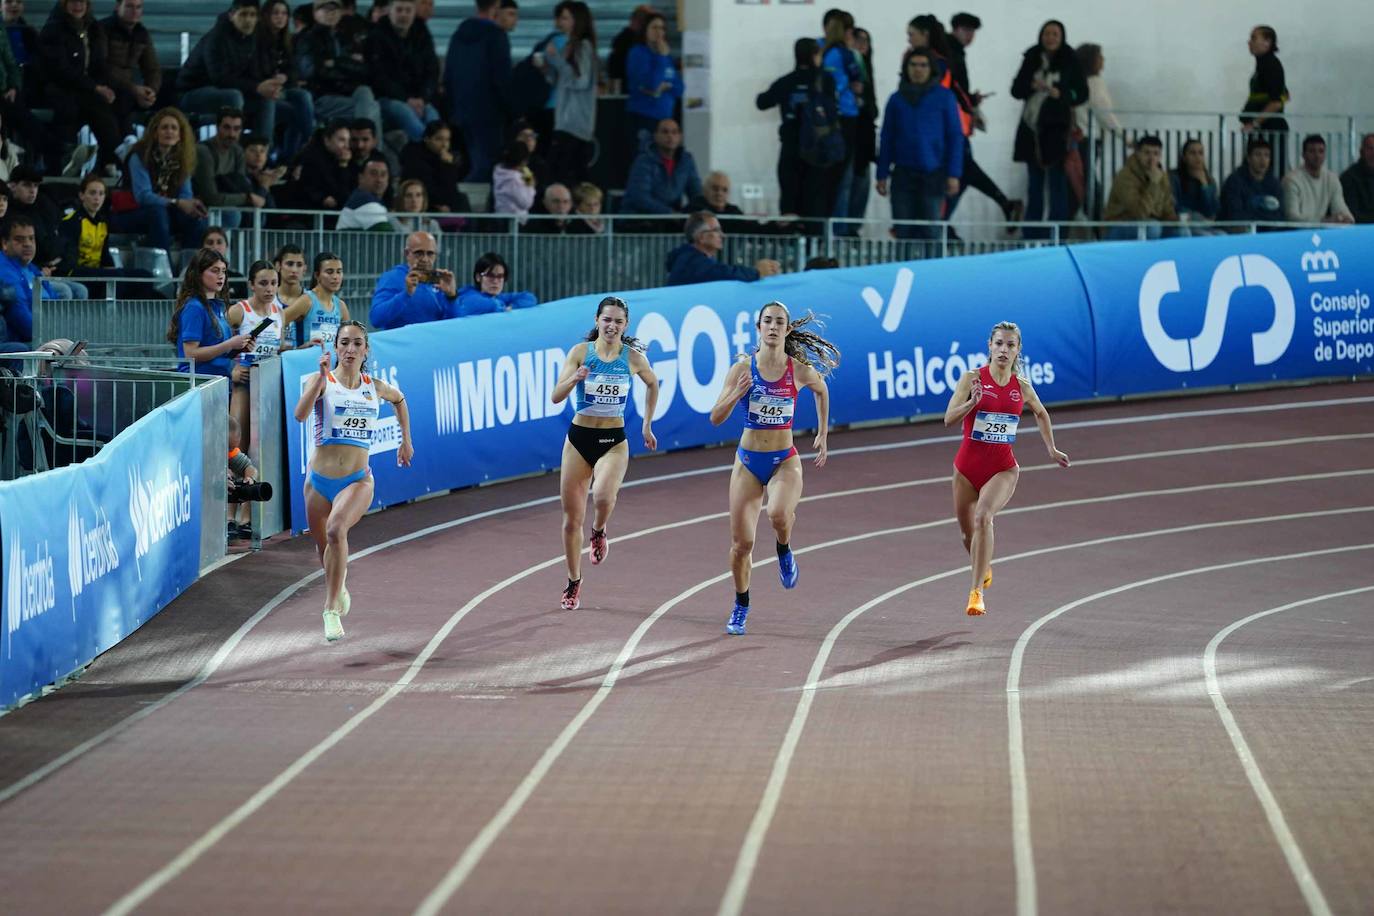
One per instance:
(1175,55)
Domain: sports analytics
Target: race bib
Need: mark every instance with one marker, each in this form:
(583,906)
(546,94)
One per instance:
(353,422)
(995,427)
(770,410)
(606,389)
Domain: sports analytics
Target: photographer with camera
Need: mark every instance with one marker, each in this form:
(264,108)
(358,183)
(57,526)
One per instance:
(244,487)
(416,291)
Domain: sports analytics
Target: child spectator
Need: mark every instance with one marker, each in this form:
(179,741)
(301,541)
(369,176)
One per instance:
(512,182)
(587,200)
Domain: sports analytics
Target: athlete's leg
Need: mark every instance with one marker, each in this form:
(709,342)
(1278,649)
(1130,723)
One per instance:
(610,471)
(572,489)
(349,506)
(994,495)
(316,514)
(784,492)
(965,499)
(746,499)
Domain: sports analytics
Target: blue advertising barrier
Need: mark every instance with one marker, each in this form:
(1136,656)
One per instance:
(478,388)
(1192,313)
(94,550)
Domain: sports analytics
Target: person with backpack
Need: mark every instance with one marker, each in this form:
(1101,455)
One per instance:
(811,142)
(921,146)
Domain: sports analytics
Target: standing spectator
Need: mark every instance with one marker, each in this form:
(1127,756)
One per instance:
(922,145)
(1196,196)
(805,189)
(235,284)
(1312,192)
(477,78)
(512,182)
(573,72)
(404,69)
(17,276)
(76,85)
(558,203)
(335,74)
(664,177)
(1268,93)
(1098,112)
(963,28)
(130,60)
(413,198)
(221,176)
(487,294)
(1252,192)
(631,35)
(366,207)
(1358,182)
(653,83)
(587,198)
(508,16)
(274,34)
(200,326)
(159,168)
(1050,83)
(325,179)
(865,132)
(697,261)
(837,57)
(432,162)
(1141,193)
(415,291)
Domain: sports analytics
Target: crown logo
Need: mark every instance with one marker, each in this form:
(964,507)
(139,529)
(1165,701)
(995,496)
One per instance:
(1320,266)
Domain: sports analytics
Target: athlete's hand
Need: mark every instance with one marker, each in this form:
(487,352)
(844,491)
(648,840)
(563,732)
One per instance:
(746,381)
(1059,457)
(650,440)
(975,393)
(404,454)
(324,358)
(819,445)
(581,373)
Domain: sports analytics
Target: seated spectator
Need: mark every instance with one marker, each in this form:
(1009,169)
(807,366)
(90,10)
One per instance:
(335,75)
(715,196)
(17,274)
(274,35)
(71,55)
(413,198)
(558,203)
(1141,193)
(653,83)
(1195,191)
(199,326)
(256,153)
(539,168)
(921,146)
(696,261)
(664,176)
(1251,193)
(363,142)
(23,37)
(489,277)
(302,18)
(240,525)
(587,198)
(159,170)
(221,176)
(821,262)
(235,284)
(325,180)
(84,232)
(403,69)
(131,66)
(1312,192)
(366,206)
(512,182)
(415,291)
(1358,182)
(432,162)
(27,202)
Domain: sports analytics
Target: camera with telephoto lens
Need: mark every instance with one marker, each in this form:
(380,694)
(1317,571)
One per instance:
(249,491)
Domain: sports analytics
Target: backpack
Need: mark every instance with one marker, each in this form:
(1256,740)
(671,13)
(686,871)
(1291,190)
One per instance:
(820,141)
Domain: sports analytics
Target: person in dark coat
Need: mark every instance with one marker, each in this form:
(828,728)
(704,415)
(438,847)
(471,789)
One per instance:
(403,70)
(131,63)
(1050,82)
(807,190)
(697,261)
(477,72)
(72,64)
(326,176)
(432,162)
(1268,94)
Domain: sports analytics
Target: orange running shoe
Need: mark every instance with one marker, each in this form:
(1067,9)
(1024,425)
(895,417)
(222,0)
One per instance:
(987,579)
(975,603)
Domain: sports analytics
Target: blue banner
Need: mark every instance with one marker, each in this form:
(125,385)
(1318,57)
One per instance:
(92,551)
(1192,313)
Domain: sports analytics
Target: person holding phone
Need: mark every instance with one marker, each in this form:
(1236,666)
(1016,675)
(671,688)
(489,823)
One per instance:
(415,291)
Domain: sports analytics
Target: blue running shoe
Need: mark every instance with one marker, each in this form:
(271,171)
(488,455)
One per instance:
(736,625)
(787,570)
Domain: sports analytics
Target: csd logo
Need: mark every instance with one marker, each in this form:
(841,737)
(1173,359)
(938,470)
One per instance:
(1196,353)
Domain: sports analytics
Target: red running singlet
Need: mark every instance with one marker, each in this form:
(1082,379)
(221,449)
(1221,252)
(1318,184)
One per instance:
(989,431)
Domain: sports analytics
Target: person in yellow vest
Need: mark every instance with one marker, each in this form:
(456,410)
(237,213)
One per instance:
(84,232)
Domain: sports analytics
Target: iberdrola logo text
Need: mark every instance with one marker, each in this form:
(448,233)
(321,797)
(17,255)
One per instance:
(157,506)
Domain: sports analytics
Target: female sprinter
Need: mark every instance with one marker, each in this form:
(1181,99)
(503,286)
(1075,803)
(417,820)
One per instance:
(787,358)
(321,308)
(989,401)
(290,262)
(597,375)
(339,488)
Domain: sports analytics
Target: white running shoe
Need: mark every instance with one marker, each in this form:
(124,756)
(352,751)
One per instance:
(345,602)
(333,628)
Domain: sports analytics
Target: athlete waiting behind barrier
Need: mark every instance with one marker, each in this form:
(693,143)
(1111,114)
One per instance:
(597,374)
(346,405)
(320,308)
(788,358)
(989,401)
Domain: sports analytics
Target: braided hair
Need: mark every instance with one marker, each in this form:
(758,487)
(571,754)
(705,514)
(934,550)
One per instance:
(634,343)
(806,346)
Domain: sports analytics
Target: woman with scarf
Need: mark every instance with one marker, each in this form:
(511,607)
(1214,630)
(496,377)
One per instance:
(159,197)
(1050,82)
(921,146)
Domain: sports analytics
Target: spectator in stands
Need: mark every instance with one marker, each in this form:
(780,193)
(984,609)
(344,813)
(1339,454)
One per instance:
(84,232)
(302,18)
(199,326)
(23,37)
(573,70)
(697,260)
(558,204)
(806,190)
(417,290)
(22,131)
(1358,182)
(922,146)
(363,142)
(963,28)
(653,83)
(413,198)
(628,37)
(353,29)
(17,275)
(487,294)
(865,133)
(1050,82)
(539,168)
(325,179)
(1098,114)
(664,177)
(1252,192)
(262,178)
(1196,196)
(274,35)
(434,163)
(235,284)
(715,196)
(512,182)
(336,76)
(130,60)
(1268,93)
(160,166)
(404,69)
(477,76)
(508,16)
(837,58)
(821,262)
(221,176)
(25,201)
(587,198)
(1141,193)
(1312,192)
(366,207)
(76,86)
(424,10)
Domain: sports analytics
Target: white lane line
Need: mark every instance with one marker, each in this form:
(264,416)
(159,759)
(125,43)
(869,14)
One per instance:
(1297,863)
(737,889)
(1024,854)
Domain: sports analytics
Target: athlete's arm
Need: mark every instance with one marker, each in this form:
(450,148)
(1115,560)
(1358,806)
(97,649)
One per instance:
(639,365)
(296,310)
(343,310)
(314,388)
(964,399)
(573,372)
(1042,420)
(738,381)
(393,396)
(812,379)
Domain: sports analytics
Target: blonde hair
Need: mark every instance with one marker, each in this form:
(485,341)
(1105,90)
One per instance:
(1019,369)
(587,191)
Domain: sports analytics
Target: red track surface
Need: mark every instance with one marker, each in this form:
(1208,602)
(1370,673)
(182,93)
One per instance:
(866,748)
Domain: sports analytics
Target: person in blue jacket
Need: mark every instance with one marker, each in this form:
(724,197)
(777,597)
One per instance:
(160,166)
(477,75)
(696,261)
(17,273)
(199,326)
(487,294)
(664,177)
(1252,192)
(416,291)
(653,83)
(921,146)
